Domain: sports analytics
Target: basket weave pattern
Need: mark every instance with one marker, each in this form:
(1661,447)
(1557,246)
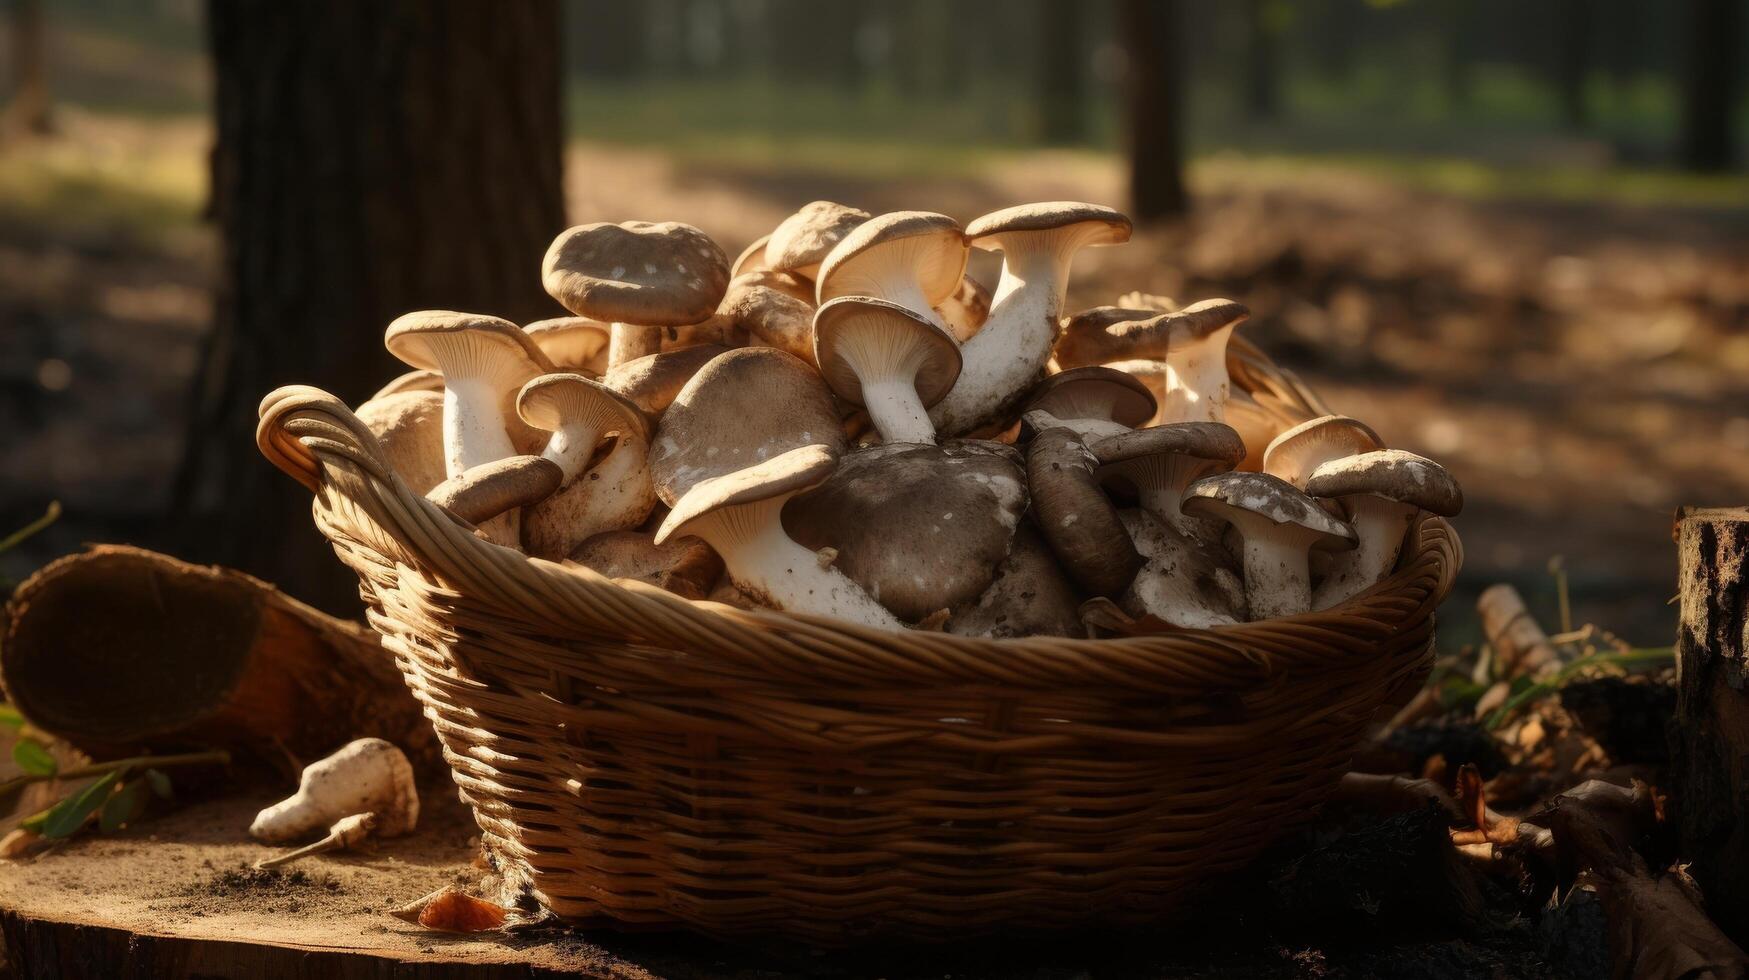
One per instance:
(638,759)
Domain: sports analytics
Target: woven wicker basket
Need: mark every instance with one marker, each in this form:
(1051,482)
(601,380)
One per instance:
(640,760)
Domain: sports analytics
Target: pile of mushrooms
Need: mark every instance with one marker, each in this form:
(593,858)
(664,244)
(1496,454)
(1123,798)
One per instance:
(842,422)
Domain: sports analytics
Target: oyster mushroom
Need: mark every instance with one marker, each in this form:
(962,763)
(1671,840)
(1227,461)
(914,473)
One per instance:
(801,241)
(409,426)
(919,528)
(1180,582)
(641,276)
(1095,402)
(411,381)
(1074,515)
(369,775)
(572,343)
(739,514)
(1381,492)
(1159,462)
(752,258)
(684,566)
(777,319)
(579,413)
(742,407)
(1038,244)
(498,487)
(1279,527)
(1191,344)
(888,358)
(965,311)
(916,259)
(1294,454)
(615,494)
(1030,596)
(652,381)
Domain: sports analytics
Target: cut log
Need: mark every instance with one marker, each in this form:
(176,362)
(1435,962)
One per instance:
(119,650)
(1710,739)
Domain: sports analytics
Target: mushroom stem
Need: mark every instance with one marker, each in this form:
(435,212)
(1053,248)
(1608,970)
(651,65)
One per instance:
(1015,341)
(1278,578)
(897,411)
(1197,383)
(346,834)
(474,430)
(628,341)
(1381,524)
(572,445)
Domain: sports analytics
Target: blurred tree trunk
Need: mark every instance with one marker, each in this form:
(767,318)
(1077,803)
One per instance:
(1151,32)
(28,112)
(1262,59)
(371,158)
(1060,73)
(607,39)
(1461,25)
(1572,50)
(1709,84)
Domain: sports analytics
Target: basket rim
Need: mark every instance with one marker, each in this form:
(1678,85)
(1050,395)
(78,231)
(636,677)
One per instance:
(360,503)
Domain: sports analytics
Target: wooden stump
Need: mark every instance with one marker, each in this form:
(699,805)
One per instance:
(1710,740)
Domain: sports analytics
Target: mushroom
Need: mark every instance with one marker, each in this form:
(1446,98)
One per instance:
(1030,596)
(1073,514)
(919,528)
(572,343)
(739,514)
(684,566)
(579,413)
(742,407)
(966,310)
(1191,342)
(347,833)
(1136,299)
(652,381)
(800,243)
(369,775)
(613,495)
(752,258)
(1381,492)
(1096,402)
(483,360)
(638,275)
(1294,454)
(776,318)
(1279,527)
(1159,462)
(888,358)
(494,488)
(1111,333)
(916,259)
(719,329)
(411,381)
(1151,374)
(1038,244)
(1257,426)
(409,426)
(1179,582)
(787,283)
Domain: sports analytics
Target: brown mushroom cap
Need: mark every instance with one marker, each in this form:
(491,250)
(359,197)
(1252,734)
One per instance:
(855,333)
(1074,515)
(419,380)
(1104,226)
(1110,333)
(638,272)
(787,283)
(570,342)
(490,489)
(1245,497)
(800,243)
(1294,454)
(684,566)
(742,407)
(1093,393)
(929,247)
(752,258)
(652,381)
(920,528)
(782,474)
(554,400)
(453,343)
(1030,596)
(409,425)
(777,318)
(1393,474)
(1213,441)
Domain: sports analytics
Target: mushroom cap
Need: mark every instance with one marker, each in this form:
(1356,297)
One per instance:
(774,316)
(1136,299)
(965,311)
(466,345)
(417,380)
(1030,596)
(1104,225)
(752,258)
(490,489)
(554,400)
(863,327)
(1216,442)
(1094,393)
(1205,318)
(1293,454)
(800,243)
(932,244)
(569,341)
(409,426)
(683,565)
(1393,474)
(1245,498)
(647,273)
(920,528)
(787,283)
(741,408)
(784,474)
(652,381)
(1075,516)
(1111,333)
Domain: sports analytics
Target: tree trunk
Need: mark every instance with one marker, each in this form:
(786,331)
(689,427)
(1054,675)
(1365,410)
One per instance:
(1710,739)
(1709,84)
(1262,61)
(1572,51)
(1061,76)
(1151,31)
(372,158)
(28,113)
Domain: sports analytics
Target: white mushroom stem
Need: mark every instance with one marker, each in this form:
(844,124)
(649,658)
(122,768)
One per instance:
(615,495)
(572,445)
(766,563)
(1278,578)
(629,341)
(1160,479)
(896,410)
(1196,380)
(1381,524)
(1010,350)
(1172,582)
(474,429)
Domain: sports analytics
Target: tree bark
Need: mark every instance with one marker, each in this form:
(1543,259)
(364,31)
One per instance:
(120,650)
(1710,739)
(29,111)
(1709,84)
(1151,31)
(372,158)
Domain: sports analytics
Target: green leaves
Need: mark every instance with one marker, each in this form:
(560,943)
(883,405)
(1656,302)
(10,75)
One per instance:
(31,757)
(67,816)
(10,718)
(124,806)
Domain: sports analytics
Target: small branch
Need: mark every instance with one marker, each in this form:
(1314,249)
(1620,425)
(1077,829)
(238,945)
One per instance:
(214,757)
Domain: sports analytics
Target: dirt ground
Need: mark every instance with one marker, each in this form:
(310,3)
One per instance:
(1582,368)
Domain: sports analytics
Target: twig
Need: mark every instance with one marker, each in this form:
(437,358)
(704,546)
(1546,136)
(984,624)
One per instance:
(213,757)
(18,537)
